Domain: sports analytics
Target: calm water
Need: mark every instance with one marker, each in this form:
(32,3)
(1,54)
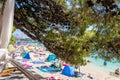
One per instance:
(111,66)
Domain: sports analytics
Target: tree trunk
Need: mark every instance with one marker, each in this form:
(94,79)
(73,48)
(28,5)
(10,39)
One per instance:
(0,23)
(79,69)
(7,23)
(0,17)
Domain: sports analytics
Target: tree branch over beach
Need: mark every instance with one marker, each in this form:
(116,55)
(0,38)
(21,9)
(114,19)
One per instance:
(72,29)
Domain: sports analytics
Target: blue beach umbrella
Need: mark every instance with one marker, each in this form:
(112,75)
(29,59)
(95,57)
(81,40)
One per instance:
(26,55)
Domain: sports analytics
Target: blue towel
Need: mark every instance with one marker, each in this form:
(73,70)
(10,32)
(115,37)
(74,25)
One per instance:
(38,62)
(49,69)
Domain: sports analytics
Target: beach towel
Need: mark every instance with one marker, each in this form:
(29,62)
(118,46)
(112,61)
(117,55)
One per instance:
(64,64)
(38,62)
(49,69)
(27,65)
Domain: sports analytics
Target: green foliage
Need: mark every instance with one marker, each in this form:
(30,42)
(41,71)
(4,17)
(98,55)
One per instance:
(71,49)
(13,29)
(13,39)
(77,43)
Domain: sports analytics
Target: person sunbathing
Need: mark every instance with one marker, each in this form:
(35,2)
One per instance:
(117,71)
(90,76)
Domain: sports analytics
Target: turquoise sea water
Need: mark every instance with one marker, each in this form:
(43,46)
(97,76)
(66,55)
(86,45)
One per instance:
(111,66)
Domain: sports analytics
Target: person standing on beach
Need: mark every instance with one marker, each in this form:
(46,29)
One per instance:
(105,63)
(117,71)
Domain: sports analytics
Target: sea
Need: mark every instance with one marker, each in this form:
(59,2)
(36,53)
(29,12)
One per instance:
(108,66)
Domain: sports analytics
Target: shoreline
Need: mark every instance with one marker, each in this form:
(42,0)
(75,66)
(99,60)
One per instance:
(98,72)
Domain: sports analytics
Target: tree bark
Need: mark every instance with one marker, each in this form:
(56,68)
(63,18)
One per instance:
(0,23)
(0,17)
(7,23)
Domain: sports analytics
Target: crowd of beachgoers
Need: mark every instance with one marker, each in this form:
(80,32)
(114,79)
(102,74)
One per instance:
(36,58)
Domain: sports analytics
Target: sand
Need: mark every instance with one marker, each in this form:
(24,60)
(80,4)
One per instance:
(97,72)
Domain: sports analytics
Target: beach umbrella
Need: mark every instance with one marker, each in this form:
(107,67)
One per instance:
(27,56)
(69,71)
